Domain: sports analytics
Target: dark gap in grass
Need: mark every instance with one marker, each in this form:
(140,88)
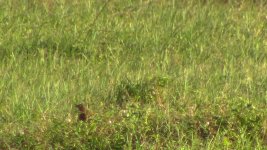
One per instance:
(142,91)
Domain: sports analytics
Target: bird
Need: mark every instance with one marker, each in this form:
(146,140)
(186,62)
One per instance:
(84,113)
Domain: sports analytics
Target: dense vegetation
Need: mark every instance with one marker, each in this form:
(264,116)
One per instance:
(154,74)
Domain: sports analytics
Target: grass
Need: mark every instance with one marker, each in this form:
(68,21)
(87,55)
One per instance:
(155,74)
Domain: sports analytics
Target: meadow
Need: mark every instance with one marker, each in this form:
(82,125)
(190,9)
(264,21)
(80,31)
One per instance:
(154,74)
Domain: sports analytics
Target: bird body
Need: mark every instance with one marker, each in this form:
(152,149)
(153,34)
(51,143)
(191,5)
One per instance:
(84,113)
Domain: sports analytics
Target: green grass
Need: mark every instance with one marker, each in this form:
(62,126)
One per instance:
(180,74)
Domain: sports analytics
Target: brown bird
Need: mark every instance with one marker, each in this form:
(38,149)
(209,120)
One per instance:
(84,113)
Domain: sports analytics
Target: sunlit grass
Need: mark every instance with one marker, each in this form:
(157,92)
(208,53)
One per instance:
(153,74)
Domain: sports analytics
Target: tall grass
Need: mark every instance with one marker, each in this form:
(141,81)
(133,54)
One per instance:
(154,74)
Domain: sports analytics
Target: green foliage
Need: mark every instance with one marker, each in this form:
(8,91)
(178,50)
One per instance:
(184,74)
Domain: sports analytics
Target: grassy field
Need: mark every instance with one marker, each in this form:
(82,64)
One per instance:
(154,74)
